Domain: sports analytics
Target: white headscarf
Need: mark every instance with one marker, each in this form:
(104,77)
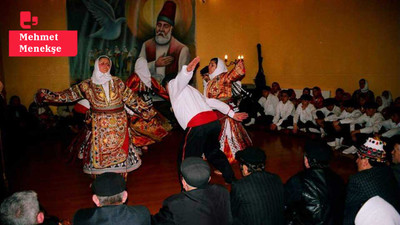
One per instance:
(221,68)
(387,101)
(365,89)
(142,70)
(99,77)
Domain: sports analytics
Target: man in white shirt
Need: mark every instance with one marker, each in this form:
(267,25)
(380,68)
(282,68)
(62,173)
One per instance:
(391,129)
(195,115)
(372,122)
(269,103)
(343,123)
(284,113)
(304,115)
(326,115)
(392,125)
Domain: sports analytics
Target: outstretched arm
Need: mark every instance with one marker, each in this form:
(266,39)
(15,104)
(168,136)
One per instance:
(72,94)
(238,72)
(183,77)
(225,109)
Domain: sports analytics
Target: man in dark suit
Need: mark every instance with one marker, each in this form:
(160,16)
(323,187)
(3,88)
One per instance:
(396,160)
(258,198)
(109,197)
(200,203)
(374,177)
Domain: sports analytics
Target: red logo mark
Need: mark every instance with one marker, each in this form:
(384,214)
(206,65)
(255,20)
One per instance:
(25,20)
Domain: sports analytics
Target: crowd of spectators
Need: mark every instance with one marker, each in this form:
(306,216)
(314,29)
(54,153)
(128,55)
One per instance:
(357,124)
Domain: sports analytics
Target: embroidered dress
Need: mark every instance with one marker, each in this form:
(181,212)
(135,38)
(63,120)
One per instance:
(233,135)
(109,148)
(145,132)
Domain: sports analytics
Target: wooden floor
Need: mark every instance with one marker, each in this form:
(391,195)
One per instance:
(63,187)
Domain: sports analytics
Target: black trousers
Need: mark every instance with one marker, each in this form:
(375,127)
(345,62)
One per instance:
(288,122)
(329,129)
(307,125)
(205,139)
(344,133)
(264,120)
(328,126)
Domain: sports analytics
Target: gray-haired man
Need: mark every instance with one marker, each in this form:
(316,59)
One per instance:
(21,208)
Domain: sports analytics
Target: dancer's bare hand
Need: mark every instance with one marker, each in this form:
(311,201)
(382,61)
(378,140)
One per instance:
(240,116)
(192,65)
(239,68)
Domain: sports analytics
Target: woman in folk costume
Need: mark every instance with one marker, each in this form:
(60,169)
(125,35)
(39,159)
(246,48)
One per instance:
(143,132)
(233,136)
(110,147)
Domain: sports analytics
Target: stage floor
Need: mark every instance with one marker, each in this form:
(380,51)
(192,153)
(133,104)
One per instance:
(63,188)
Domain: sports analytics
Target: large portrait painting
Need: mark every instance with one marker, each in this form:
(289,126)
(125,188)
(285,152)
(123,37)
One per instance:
(161,31)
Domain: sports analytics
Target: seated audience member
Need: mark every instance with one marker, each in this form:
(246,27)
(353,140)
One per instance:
(378,101)
(21,208)
(15,126)
(257,198)
(364,90)
(306,91)
(42,115)
(304,116)
(3,106)
(284,113)
(377,211)
(315,195)
(65,115)
(386,103)
(346,97)
(17,115)
(373,178)
(292,96)
(200,203)
(362,100)
(339,96)
(24,208)
(318,99)
(275,89)
(371,122)
(391,128)
(269,103)
(396,102)
(109,195)
(326,115)
(396,160)
(342,124)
